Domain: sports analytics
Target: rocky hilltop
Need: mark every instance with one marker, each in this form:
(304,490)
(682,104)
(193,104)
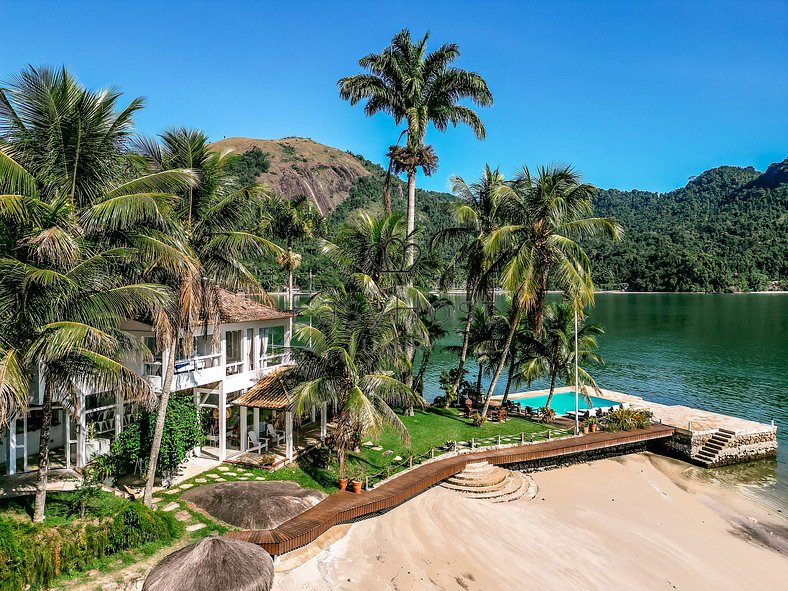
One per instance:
(299,165)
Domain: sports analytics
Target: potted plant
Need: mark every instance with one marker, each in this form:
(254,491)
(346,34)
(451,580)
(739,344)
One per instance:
(585,427)
(593,424)
(343,483)
(356,478)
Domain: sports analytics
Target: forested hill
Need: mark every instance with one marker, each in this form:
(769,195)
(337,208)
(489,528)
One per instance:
(726,230)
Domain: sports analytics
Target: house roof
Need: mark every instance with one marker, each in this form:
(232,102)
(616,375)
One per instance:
(239,308)
(271,392)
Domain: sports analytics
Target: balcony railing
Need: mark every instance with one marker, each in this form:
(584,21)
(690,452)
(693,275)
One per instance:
(234,368)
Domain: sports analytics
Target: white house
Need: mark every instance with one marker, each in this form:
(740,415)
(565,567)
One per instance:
(254,340)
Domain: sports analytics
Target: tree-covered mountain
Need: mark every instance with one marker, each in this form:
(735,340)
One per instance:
(726,230)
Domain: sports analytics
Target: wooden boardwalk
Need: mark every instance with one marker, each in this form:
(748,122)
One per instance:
(344,506)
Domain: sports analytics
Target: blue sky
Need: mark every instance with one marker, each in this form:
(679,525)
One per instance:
(634,94)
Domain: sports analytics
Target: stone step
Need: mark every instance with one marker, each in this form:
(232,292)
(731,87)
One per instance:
(476,479)
(726,432)
(717,438)
(477,466)
(713,445)
(475,490)
(516,489)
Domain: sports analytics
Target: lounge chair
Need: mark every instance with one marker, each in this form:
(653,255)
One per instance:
(254,443)
(276,436)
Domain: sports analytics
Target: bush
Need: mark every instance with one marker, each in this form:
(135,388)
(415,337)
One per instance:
(35,555)
(627,419)
(545,414)
(478,420)
(183,430)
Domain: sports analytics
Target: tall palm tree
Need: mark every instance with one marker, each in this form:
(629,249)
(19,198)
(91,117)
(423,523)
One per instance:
(419,88)
(68,279)
(290,219)
(553,351)
(217,223)
(435,330)
(473,214)
(349,363)
(543,215)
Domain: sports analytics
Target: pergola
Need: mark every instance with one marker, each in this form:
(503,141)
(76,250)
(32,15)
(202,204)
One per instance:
(271,392)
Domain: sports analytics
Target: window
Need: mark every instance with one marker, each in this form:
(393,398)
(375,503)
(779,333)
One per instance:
(250,344)
(233,358)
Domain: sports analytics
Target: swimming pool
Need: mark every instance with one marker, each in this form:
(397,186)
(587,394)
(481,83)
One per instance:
(562,402)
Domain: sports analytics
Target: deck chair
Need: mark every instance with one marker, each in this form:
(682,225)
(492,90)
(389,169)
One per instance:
(254,444)
(276,436)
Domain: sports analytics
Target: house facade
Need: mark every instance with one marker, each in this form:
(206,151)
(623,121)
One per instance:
(227,360)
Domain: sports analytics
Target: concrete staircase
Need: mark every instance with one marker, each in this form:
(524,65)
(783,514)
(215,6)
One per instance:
(481,480)
(710,451)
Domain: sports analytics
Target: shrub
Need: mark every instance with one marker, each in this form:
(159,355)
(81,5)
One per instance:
(478,420)
(627,419)
(545,414)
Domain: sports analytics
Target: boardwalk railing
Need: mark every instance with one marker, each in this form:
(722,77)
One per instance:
(474,443)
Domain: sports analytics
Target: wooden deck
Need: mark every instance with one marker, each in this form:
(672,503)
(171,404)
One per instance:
(345,506)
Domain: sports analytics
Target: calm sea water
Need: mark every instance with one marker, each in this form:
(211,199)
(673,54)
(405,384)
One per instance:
(724,353)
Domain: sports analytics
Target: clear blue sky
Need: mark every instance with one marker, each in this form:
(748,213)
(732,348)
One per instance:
(634,94)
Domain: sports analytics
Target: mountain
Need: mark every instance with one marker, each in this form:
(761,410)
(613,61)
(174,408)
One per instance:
(726,230)
(299,165)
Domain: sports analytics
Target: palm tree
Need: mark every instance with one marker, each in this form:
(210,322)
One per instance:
(435,331)
(216,221)
(290,219)
(553,351)
(419,88)
(473,214)
(541,217)
(68,282)
(349,363)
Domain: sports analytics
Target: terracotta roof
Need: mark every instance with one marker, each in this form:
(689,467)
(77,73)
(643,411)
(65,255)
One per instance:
(239,308)
(270,392)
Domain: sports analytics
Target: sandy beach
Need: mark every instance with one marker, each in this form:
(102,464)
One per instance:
(637,522)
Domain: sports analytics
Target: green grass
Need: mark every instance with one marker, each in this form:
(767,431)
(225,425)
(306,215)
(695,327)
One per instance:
(63,507)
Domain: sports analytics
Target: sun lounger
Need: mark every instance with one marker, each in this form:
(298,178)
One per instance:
(254,443)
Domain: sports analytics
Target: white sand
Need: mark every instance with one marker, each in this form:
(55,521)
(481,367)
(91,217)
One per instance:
(628,523)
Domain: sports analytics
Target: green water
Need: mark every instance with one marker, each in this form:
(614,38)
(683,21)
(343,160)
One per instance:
(724,353)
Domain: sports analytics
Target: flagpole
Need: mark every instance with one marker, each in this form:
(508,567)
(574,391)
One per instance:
(577,396)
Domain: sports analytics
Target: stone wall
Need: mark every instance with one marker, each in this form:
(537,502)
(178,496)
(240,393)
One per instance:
(743,447)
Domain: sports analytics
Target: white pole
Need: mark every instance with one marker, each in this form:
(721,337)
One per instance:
(577,396)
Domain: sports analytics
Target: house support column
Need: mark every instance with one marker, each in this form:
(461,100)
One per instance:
(323,418)
(82,434)
(25,465)
(243,436)
(119,412)
(11,447)
(222,423)
(256,420)
(67,437)
(312,415)
(289,435)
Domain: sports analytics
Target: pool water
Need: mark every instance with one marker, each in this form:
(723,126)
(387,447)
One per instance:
(562,402)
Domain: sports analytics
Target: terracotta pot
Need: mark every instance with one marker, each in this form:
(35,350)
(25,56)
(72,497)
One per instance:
(585,430)
(356,484)
(593,428)
(342,483)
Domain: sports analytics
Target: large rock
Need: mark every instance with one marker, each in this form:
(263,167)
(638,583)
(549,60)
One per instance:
(253,504)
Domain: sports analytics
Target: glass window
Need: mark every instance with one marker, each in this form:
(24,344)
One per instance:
(233,344)
(250,344)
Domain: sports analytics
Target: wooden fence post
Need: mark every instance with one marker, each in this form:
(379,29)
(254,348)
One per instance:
(522,437)
(499,440)
(410,461)
(473,443)
(366,483)
(432,452)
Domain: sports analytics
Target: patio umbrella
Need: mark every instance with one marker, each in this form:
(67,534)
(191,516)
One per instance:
(214,564)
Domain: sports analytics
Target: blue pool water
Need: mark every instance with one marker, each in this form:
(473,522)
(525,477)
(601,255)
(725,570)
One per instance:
(562,402)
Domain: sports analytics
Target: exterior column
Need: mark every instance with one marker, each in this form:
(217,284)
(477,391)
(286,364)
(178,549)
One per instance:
(289,435)
(119,411)
(288,339)
(67,435)
(24,443)
(256,420)
(323,417)
(312,415)
(81,431)
(11,451)
(222,423)
(243,437)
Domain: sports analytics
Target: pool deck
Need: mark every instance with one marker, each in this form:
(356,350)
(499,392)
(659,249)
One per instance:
(678,416)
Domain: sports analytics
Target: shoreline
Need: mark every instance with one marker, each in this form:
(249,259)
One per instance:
(601,291)
(641,521)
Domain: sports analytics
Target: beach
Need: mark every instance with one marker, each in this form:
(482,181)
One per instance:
(635,522)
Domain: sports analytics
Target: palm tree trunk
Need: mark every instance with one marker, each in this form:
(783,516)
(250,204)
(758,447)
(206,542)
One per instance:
(290,299)
(509,378)
(465,338)
(43,451)
(552,390)
(418,383)
(479,381)
(160,417)
(411,214)
(504,354)
(341,458)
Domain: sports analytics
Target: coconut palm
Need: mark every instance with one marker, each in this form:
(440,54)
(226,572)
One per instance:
(349,363)
(216,221)
(542,216)
(473,214)
(290,219)
(435,331)
(553,351)
(418,88)
(70,259)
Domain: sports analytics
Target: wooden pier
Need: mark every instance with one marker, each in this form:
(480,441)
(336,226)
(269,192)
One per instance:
(345,506)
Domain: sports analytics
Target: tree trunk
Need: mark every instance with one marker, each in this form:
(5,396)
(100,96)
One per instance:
(509,378)
(465,339)
(479,382)
(411,215)
(160,417)
(418,383)
(341,458)
(290,299)
(504,354)
(552,389)
(43,451)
